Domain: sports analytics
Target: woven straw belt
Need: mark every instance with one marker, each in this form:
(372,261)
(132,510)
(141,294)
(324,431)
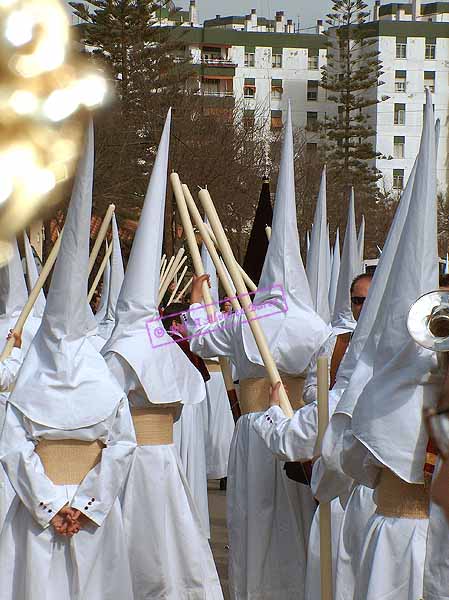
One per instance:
(255,393)
(212,366)
(67,462)
(396,498)
(154,425)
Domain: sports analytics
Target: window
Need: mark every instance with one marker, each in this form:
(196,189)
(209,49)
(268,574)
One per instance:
(398,179)
(312,90)
(312,120)
(313,59)
(248,119)
(250,55)
(431,48)
(311,148)
(401,47)
(276,119)
(211,87)
(429,80)
(276,58)
(400,82)
(276,89)
(341,113)
(399,114)
(249,88)
(211,54)
(399,146)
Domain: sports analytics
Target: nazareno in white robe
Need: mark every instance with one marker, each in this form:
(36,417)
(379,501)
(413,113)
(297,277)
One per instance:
(295,440)
(393,553)
(330,483)
(35,562)
(169,553)
(269,516)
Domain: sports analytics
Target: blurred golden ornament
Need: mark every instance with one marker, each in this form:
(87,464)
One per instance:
(46,90)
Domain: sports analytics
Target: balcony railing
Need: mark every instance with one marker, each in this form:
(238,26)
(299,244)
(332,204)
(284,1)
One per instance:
(222,62)
(216,94)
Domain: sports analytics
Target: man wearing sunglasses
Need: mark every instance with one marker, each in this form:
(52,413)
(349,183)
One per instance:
(359,291)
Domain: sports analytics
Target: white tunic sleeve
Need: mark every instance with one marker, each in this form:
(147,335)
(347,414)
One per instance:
(9,368)
(329,480)
(23,466)
(99,489)
(289,439)
(209,340)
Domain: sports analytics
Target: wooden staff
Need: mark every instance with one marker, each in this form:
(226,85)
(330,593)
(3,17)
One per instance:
(171,277)
(178,285)
(166,270)
(211,248)
(171,272)
(184,290)
(246,278)
(245,300)
(181,203)
(100,237)
(325,507)
(46,269)
(163,264)
(175,270)
(96,281)
(268,232)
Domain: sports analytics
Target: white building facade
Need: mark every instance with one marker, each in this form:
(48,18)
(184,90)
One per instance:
(414,50)
(262,63)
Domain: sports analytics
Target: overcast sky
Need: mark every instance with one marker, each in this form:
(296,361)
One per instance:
(307,10)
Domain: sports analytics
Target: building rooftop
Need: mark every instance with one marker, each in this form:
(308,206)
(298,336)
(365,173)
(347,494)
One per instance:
(431,8)
(231,37)
(236,20)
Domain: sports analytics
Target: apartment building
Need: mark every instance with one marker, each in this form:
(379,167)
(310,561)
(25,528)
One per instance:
(262,63)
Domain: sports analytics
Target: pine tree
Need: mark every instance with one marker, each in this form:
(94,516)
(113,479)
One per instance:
(351,77)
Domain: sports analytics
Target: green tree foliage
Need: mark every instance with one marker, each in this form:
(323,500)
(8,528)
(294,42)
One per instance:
(351,77)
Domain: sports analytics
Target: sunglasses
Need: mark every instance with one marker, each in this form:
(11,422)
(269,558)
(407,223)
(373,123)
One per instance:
(358,300)
(437,424)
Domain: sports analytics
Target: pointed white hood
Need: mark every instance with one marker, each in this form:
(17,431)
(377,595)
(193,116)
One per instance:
(387,418)
(361,244)
(343,319)
(163,370)
(334,272)
(296,332)
(64,382)
(33,275)
(107,323)
(318,256)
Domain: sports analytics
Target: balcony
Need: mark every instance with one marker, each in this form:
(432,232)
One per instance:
(216,94)
(218,62)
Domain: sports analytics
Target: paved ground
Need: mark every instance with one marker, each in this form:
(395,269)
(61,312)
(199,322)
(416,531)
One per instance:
(219,534)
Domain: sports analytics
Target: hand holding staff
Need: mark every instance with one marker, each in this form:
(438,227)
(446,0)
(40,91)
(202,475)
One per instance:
(245,300)
(32,297)
(199,269)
